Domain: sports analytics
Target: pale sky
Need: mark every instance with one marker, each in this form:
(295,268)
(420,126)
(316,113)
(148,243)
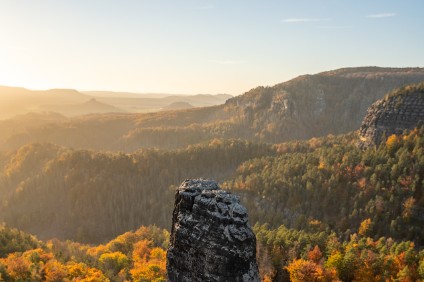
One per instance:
(200,46)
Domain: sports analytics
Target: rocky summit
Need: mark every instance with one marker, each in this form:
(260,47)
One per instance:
(400,110)
(211,239)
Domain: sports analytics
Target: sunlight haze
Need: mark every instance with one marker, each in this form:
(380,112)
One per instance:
(193,46)
(211,140)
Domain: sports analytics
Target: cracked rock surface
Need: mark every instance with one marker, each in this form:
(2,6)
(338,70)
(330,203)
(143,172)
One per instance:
(211,239)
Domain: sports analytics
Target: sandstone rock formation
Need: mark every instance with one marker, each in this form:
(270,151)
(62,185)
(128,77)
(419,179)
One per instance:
(308,106)
(211,239)
(400,110)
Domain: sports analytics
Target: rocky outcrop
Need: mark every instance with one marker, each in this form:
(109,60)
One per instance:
(211,239)
(310,106)
(403,109)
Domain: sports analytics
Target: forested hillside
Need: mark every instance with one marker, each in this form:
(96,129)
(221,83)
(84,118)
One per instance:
(89,196)
(320,184)
(291,255)
(282,253)
(308,106)
(333,185)
(324,209)
(133,256)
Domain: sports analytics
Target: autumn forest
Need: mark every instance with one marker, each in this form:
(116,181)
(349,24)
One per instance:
(76,206)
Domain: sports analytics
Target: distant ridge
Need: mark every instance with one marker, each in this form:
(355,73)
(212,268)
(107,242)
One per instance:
(178,106)
(18,101)
(151,103)
(117,94)
(332,102)
(89,107)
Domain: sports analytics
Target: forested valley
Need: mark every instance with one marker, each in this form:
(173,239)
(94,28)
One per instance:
(322,205)
(325,208)
(89,196)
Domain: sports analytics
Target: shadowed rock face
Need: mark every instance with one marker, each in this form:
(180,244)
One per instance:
(400,110)
(211,239)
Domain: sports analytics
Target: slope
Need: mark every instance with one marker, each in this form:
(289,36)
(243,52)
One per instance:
(308,106)
(89,196)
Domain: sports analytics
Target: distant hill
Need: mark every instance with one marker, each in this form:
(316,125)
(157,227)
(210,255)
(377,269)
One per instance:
(42,96)
(150,103)
(114,94)
(16,100)
(308,106)
(70,102)
(89,107)
(31,119)
(178,106)
(199,100)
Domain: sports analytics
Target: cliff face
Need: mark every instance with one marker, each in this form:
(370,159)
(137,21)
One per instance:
(400,110)
(211,239)
(309,106)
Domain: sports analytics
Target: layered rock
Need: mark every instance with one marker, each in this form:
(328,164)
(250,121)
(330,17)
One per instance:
(211,239)
(403,109)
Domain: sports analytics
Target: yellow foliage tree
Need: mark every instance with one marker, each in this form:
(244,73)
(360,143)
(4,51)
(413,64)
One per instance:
(301,270)
(18,267)
(97,251)
(365,227)
(83,273)
(55,271)
(113,263)
(152,270)
(142,250)
(392,142)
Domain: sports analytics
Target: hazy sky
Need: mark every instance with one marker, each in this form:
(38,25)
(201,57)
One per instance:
(200,46)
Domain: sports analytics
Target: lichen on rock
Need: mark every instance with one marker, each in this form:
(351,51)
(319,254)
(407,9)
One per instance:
(211,239)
